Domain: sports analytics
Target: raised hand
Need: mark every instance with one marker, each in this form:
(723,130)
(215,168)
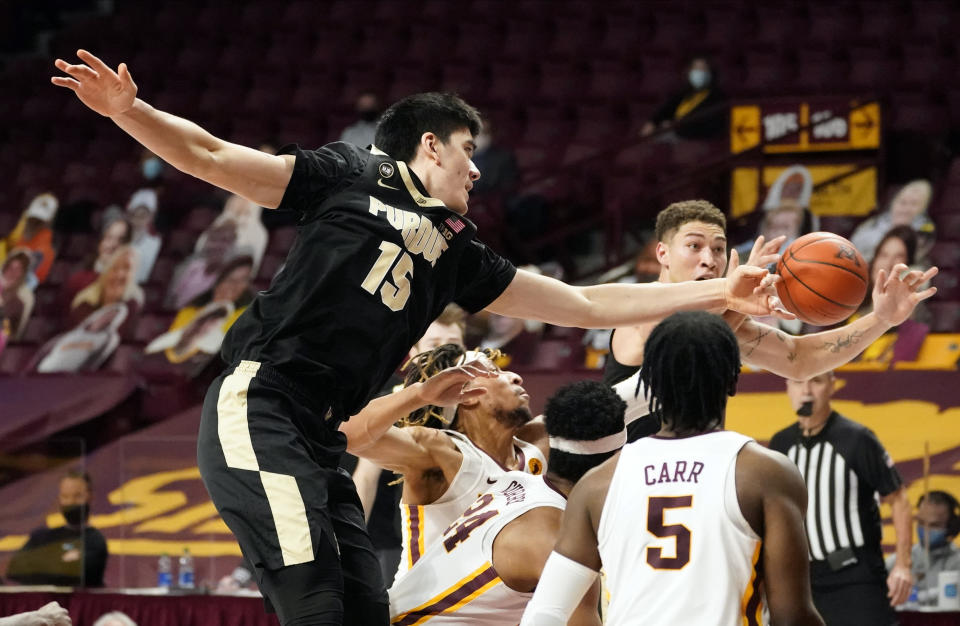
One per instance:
(107,92)
(896,296)
(750,290)
(763,252)
(448,388)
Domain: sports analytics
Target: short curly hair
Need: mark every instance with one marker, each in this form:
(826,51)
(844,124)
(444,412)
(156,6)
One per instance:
(584,411)
(679,213)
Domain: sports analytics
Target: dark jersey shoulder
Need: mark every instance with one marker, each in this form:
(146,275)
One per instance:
(375,262)
(613,370)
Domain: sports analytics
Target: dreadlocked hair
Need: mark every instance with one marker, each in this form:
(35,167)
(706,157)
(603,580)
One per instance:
(582,411)
(691,363)
(426,365)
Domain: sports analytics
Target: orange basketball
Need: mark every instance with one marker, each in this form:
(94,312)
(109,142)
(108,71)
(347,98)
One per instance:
(823,278)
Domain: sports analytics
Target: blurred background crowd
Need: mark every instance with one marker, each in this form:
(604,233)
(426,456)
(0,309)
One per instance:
(837,115)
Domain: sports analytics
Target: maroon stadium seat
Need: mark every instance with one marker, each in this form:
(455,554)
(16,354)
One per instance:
(945,254)
(945,317)
(947,283)
(948,226)
(15,357)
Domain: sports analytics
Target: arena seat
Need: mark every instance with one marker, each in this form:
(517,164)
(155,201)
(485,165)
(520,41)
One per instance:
(945,317)
(15,357)
(947,283)
(945,254)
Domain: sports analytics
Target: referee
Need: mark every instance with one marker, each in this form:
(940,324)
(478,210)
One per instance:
(845,466)
(383,246)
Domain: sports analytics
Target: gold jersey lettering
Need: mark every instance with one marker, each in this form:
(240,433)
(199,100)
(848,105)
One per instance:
(419,234)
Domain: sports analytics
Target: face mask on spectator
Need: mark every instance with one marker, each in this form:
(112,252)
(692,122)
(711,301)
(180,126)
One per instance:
(699,78)
(937,536)
(75,514)
(151,168)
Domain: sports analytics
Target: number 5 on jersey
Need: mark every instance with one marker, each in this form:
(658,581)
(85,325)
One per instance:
(394,294)
(656,505)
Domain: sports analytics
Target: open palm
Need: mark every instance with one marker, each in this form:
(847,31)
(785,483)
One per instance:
(99,87)
(897,295)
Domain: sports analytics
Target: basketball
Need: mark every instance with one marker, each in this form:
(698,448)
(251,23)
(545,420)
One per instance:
(823,278)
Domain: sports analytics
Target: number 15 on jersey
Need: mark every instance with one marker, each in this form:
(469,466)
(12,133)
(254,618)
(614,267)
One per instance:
(395,290)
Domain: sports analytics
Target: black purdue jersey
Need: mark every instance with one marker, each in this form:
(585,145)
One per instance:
(374,263)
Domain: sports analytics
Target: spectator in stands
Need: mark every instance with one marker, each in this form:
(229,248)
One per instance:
(73,555)
(908,208)
(142,208)
(789,219)
(694,111)
(50,614)
(86,347)
(786,209)
(252,236)
(361,132)
(33,233)
(117,232)
(193,340)
(938,524)
(232,285)
(16,297)
(899,245)
(116,284)
(197,342)
(198,273)
(151,166)
(501,174)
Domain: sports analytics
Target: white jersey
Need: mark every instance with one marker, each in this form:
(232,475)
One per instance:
(422,524)
(674,543)
(454,582)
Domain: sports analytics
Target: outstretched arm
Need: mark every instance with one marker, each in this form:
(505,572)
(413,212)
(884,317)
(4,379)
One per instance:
(257,176)
(444,389)
(530,296)
(799,358)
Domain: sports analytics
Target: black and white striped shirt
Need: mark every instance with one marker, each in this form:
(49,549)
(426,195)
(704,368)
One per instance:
(845,467)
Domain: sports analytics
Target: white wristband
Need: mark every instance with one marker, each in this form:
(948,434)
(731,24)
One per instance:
(561,587)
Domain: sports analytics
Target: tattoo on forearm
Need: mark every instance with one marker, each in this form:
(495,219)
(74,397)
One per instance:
(753,344)
(791,356)
(842,342)
(781,336)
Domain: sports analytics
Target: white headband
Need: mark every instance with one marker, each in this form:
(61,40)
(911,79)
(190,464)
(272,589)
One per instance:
(594,446)
(449,412)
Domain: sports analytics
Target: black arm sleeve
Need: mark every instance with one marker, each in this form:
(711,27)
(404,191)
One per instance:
(482,277)
(318,174)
